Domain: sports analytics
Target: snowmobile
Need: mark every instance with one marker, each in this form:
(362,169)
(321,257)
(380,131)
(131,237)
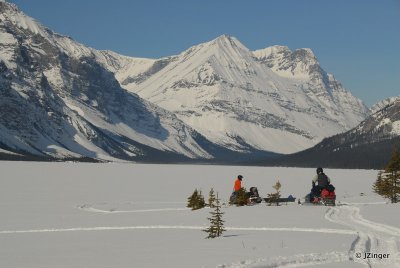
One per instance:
(325,196)
(252,197)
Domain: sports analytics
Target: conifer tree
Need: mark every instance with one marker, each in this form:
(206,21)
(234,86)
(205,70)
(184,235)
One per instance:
(216,222)
(201,203)
(193,199)
(241,198)
(211,198)
(273,197)
(196,200)
(387,183)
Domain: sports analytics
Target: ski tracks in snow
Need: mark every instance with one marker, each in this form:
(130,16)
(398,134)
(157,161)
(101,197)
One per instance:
(182,227)
(298,260)
(372,237)
(115,211)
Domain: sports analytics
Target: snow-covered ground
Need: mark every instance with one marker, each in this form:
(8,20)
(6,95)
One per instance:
(130,215)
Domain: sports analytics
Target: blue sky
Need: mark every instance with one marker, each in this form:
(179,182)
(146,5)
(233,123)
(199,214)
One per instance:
(358,41)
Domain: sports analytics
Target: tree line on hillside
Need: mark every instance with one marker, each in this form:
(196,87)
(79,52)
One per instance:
(332,154)
(387,183)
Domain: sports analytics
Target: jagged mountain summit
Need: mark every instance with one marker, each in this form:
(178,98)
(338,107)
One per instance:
(57,100)
(383,124)
(217,99)
(383,103)
(271,99)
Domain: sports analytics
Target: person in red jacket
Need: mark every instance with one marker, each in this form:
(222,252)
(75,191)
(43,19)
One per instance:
(238,183)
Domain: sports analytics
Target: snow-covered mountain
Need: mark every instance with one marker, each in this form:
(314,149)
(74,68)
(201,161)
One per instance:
(271,99)
(58,100)
(384,123)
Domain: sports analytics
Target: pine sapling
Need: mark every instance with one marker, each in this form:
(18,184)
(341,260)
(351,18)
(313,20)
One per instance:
(211,198)
(274,197)
(193,199)
(216,227)
(201,203)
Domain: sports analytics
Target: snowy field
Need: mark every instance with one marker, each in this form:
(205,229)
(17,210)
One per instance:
(128,215)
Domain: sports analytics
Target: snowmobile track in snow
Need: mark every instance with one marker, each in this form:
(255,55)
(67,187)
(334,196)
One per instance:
(372,237)
(183,227)
(298,260)
(115,211)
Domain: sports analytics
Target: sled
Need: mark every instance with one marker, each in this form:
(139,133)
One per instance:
(280,200)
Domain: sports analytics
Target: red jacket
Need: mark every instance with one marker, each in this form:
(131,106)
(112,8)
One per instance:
(238,185)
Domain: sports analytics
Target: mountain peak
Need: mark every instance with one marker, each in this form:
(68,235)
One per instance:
(9,13)
(226,41)
(300,63)
(265,53)
(304,53)
(223,37)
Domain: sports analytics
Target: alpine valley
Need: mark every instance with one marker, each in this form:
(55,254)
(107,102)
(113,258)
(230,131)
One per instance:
(216,101)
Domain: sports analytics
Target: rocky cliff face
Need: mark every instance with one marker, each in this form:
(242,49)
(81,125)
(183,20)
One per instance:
(58,100)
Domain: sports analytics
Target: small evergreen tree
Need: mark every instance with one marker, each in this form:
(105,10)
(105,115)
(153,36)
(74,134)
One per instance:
(241,197)
(273,197)
(387,183)
(201,203)
(211,198)
(216,222)
(196,200)
(192,199)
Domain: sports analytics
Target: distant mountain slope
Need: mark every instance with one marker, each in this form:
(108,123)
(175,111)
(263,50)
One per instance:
(240,99)
(57,100)
(369,145)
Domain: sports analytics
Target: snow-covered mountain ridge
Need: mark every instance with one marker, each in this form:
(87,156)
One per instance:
(271,99)
(60,98)
(383,103)
(384,123)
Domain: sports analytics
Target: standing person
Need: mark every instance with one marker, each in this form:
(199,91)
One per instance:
(320,182)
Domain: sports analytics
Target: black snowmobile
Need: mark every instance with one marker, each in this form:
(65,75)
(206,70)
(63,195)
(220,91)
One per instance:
(252,197)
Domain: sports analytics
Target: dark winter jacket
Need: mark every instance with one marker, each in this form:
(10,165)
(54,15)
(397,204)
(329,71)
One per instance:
(322,180)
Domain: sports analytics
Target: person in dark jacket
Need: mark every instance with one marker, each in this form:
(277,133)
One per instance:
(320,182)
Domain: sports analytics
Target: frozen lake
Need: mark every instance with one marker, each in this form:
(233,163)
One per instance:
(131,215)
